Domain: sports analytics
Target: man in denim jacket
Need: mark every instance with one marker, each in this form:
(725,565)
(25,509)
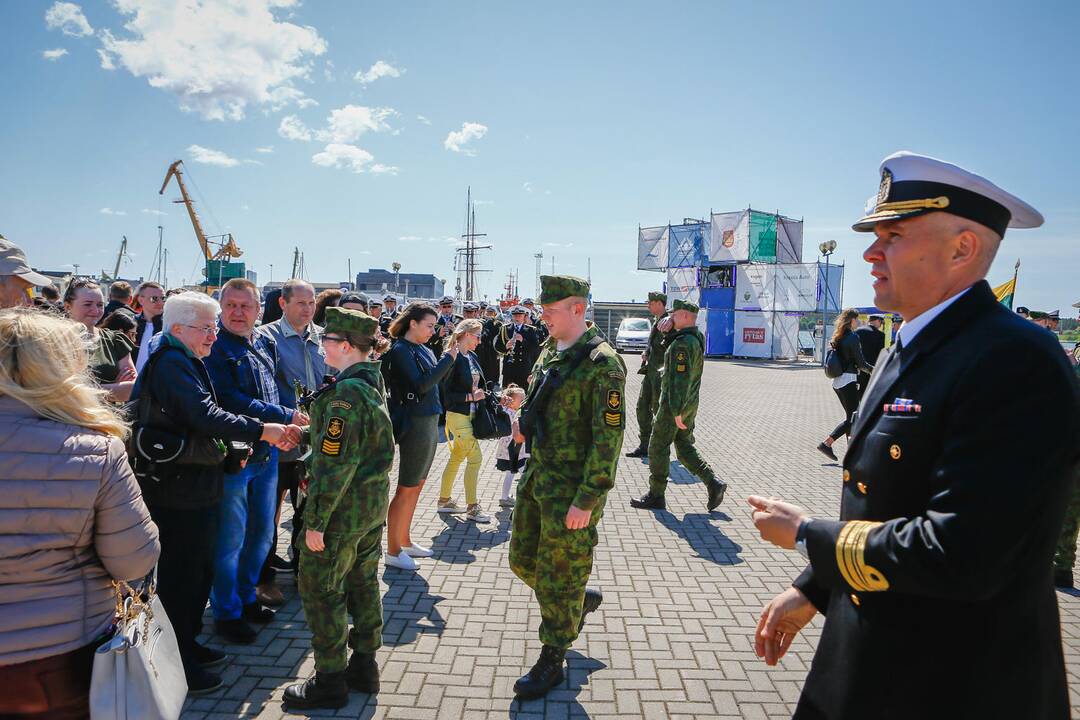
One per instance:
(242,366)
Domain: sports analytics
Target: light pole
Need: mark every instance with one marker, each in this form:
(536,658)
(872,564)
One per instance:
(397,276)
(827,248)
(271,274)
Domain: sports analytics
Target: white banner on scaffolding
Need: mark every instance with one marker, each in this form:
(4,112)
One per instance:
(753,334)
(796,287)
(785,339)
(682,284)
(729,237)
(789,240)
(754,286)
(653,248)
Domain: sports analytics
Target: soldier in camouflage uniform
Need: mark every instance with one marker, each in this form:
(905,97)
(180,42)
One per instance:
(573,421)
(652,360)
(1065,555)
(680,387)
(352,450)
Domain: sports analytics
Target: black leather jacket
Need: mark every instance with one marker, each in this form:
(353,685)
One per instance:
(458,383)
(850,351)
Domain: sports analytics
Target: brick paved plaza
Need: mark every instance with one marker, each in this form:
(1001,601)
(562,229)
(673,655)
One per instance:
(682,588)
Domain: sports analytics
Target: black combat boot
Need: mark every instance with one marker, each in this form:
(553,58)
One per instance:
(716,493)
(648,501)
(639,452)
(362,674)
(545,674)
(593,598)
(321,690)
(1063,578)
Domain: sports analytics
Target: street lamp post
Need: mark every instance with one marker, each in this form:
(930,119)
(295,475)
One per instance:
(827,248)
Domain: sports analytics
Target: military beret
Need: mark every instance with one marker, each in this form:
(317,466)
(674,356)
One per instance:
(446,300)
(354,297)
(554,288)
(657,297)
(346,320)
(1038,315)
(684,305)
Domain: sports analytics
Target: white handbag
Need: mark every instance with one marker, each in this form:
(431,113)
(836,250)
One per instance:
(138,673)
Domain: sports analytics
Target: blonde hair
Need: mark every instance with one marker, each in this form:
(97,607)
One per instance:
(514,390)
(464,327)
(44,364)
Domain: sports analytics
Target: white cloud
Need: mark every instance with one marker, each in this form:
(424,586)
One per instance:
(380,69)
(218,58)
(265,150)
(527,187)
(307,102)
(106,60)
(54,54)
(558,245)
(346,124)
(206,156)
(148,211)
(423,119)
(409,238)
(345,156)
(457,140)
(380,169)
(110,211)
(68,18)
(293,128)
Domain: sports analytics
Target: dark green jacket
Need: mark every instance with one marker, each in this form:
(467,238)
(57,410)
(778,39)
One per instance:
(583,426)
(657,342)
(352,449)
(683,365)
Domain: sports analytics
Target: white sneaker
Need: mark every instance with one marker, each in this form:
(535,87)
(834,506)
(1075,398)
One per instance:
(401,561)
(476,514)
(449,506)
(416,551)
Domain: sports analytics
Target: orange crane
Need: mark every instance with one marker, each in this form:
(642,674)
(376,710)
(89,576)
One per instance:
(227,248)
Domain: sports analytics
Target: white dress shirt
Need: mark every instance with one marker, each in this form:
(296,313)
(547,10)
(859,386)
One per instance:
(907,332)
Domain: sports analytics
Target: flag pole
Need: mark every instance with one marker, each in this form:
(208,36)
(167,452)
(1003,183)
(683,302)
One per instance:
(1016,273)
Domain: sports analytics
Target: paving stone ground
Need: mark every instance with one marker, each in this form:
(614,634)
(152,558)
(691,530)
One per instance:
(682,588)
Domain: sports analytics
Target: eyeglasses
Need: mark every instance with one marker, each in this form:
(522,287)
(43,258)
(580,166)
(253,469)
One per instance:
(155,298)
(205,330)
(334,339)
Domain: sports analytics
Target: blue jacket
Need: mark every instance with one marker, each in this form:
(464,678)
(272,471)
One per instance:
(243,376)
(413,377)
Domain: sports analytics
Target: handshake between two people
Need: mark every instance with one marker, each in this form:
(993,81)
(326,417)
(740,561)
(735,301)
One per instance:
(286,437)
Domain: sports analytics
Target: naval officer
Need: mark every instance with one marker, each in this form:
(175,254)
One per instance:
(936,580)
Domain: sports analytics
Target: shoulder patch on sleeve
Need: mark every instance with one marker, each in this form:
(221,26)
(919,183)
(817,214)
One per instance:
(331,442)
(343,404)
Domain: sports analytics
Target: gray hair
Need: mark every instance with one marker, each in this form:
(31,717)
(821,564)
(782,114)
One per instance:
(184,309)
(290,287)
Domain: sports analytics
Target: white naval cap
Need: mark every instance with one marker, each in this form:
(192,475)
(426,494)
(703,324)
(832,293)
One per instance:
(913,184)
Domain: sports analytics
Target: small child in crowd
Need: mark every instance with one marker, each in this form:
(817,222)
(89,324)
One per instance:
(510,457)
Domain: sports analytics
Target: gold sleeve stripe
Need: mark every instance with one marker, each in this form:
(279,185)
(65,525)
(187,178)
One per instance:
(850,558)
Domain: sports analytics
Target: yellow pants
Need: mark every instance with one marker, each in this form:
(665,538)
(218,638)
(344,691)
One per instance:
(463,446)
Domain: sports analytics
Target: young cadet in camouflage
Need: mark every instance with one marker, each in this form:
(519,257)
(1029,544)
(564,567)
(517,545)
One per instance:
(653,358)
(680,389)
(575,439)
(1065,553)
(352,451)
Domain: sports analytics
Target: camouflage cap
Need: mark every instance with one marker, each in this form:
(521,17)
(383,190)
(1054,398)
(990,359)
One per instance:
(685,305)
(554,288)
(657,297)
(352,322)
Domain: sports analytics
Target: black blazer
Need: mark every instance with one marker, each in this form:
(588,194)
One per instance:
(948,528)
(524,354)
(851,354)
(458,383)
(872,342)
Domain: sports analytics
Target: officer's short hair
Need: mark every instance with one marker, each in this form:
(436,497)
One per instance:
(120,290)
(242,284)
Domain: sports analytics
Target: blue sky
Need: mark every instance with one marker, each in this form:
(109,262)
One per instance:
(576,122)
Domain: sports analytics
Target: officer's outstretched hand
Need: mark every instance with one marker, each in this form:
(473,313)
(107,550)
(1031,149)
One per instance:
(314,541)
(780,621)
(576,518)
(777,521)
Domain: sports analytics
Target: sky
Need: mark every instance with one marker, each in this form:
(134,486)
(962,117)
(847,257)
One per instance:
(352,130)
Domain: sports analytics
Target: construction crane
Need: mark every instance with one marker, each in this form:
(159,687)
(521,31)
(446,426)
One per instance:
(119,257)
(227,248)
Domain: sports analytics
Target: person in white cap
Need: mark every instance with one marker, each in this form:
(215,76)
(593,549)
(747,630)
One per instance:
(938,573)
(17,280)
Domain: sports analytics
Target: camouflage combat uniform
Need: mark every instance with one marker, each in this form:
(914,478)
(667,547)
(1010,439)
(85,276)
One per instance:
(680,387)
(352,451)
(1065,554)
(572,464)
(649,398)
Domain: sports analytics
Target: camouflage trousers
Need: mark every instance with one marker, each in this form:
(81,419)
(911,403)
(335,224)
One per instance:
(665,434)
(553,561)
(646,405)
(1065,554)
(342,580)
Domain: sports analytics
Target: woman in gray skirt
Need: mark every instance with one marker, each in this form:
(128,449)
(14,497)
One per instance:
(413,377)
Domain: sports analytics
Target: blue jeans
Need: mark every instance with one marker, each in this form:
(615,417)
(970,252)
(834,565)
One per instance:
(244,536)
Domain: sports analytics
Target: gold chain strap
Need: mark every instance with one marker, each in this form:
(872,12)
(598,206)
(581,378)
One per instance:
(130,605)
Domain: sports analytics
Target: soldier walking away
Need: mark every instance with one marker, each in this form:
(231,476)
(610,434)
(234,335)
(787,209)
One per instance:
(352,450)
(938,572)
(572,422)
(680,390)
(652,360)
(519,344)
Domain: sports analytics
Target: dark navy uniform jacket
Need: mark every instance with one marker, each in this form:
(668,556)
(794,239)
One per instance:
(936,583)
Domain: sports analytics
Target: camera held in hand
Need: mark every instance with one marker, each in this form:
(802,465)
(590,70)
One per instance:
(236,457)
